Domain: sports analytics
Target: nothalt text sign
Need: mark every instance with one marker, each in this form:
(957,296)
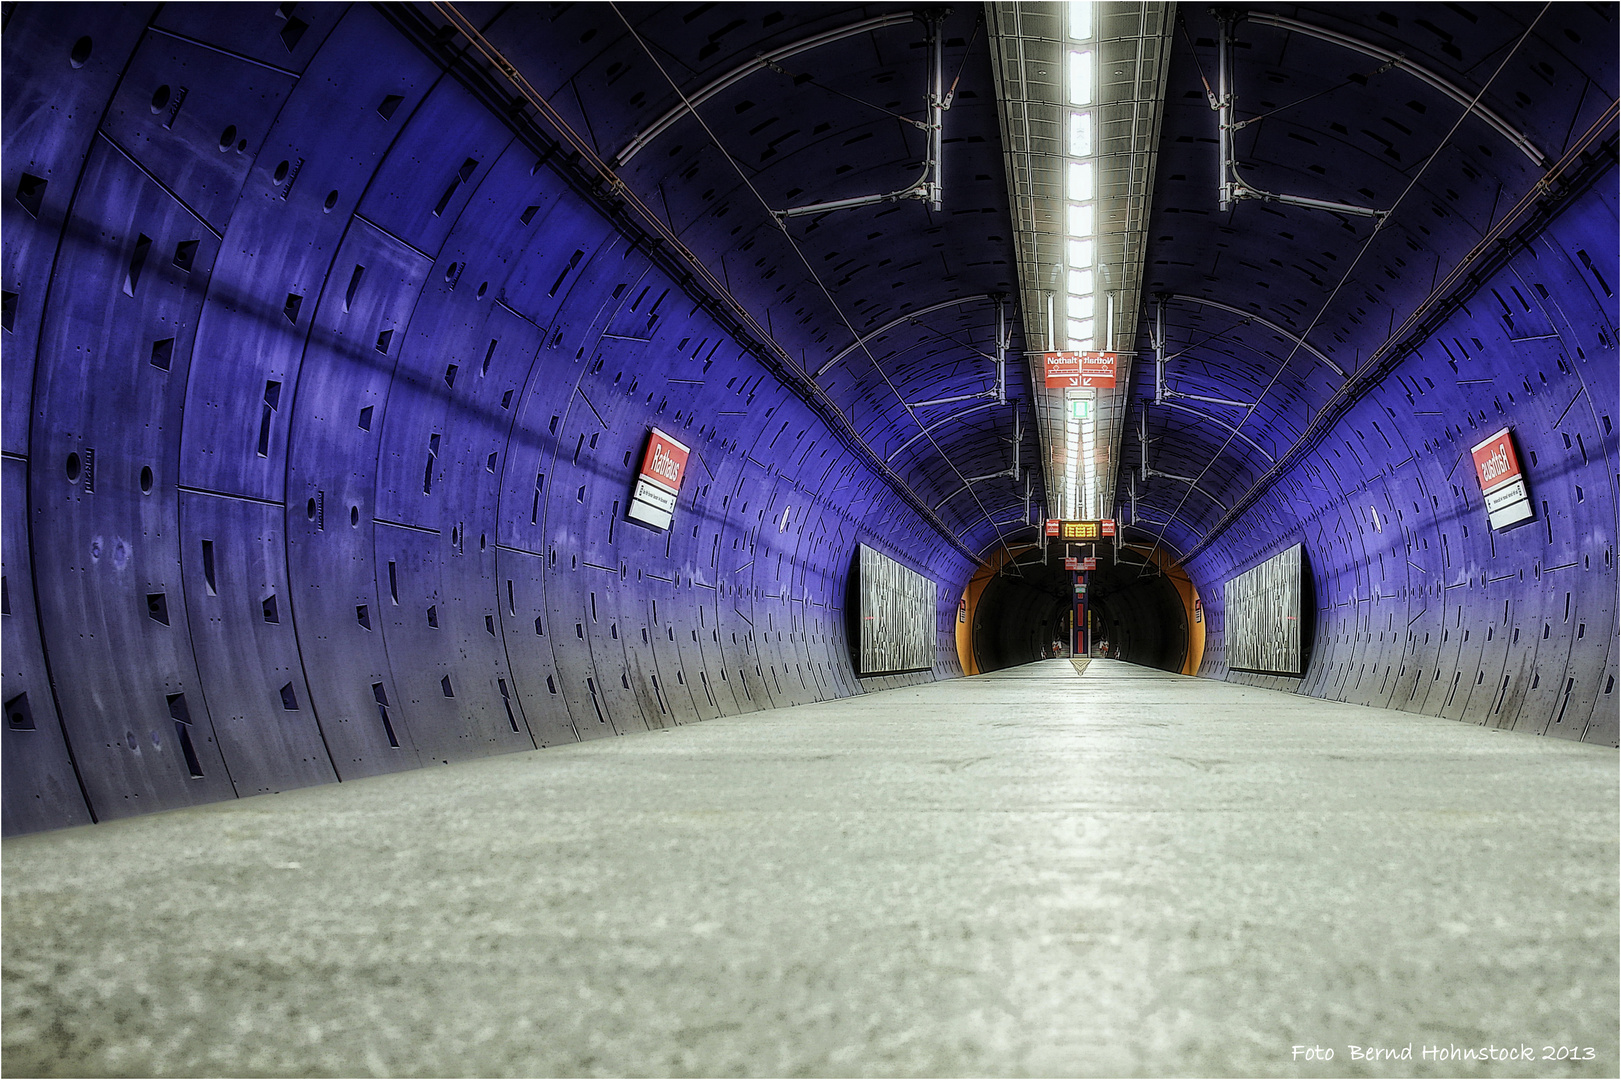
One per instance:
(1074,370)
(1502,483)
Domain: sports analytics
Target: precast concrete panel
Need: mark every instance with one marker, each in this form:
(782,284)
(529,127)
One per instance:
(172,111)
(442,154)
(557,239)
(463,360)
(40,789)
(528,648)
(275,36)
(49,124)
(102,497)
(331,479)
(583,520)
(279,245)
(234,562)
(735,600)
(445,649)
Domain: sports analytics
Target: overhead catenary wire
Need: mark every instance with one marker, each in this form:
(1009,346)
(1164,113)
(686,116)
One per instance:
(810,81)
(817,280)
(1379,225)
(614,187)
(1491,242)
(1342,84)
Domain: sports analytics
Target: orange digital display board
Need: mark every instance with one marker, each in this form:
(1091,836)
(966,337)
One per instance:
(1081,530)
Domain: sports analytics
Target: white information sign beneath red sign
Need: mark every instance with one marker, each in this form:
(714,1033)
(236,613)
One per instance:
(658,482)
(1077,370)
(1502,483)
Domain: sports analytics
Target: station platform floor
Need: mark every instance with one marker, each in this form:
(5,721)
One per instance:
(1041,871)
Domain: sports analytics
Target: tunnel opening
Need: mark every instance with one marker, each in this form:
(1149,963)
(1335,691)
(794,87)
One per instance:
(1136,604)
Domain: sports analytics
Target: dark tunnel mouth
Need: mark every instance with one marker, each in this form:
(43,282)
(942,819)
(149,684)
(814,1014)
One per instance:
(1139,615)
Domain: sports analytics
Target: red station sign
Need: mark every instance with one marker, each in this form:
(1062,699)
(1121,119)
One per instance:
(665,461)
(1502,482)
(658,482)
(1078,370)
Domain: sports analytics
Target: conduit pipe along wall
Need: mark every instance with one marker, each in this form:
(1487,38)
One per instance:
(324,387)
(1486,299)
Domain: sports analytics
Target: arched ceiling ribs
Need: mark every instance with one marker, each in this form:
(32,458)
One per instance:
(743,71)
(1418,71)
(1260,321)
(890,325)
(1161,541)
(971,481)
(1188,480)
(1001,539)
(944,420)
(1022,506)
(630,212)
(1221,424)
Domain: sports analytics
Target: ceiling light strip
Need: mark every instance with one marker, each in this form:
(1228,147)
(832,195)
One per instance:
(1081,91)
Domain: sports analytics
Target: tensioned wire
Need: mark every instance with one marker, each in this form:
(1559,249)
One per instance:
(1378,227)
(808,390)
(822,286)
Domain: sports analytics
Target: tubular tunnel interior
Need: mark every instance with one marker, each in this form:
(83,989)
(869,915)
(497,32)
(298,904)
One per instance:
(330,352)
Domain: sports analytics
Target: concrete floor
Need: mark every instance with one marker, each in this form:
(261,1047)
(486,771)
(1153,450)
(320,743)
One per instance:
(1118,872)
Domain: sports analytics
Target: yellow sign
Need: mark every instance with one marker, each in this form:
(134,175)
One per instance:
(1080,530)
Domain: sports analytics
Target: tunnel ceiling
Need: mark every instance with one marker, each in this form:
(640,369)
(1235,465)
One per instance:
(877,307)
(1332,121)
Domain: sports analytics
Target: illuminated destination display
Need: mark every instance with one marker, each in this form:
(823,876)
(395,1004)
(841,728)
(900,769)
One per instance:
(1080,530)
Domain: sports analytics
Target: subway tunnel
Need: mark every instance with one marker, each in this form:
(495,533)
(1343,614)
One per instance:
(339,339)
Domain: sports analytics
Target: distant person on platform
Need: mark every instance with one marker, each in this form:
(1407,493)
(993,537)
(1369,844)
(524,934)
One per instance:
(1058,649)
(1103,650)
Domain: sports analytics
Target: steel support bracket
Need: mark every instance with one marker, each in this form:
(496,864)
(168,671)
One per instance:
(928,186)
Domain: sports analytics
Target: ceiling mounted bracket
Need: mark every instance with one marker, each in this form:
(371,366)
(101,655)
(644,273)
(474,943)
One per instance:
(997,394)
(928,185)
(1163,394)
(1233,186)
(1147,472)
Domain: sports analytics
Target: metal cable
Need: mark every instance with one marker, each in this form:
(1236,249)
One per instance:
(616,188)
(822,286)
(780,70)
(1368,243)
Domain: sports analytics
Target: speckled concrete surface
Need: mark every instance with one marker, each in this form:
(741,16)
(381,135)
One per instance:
(1029,873)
